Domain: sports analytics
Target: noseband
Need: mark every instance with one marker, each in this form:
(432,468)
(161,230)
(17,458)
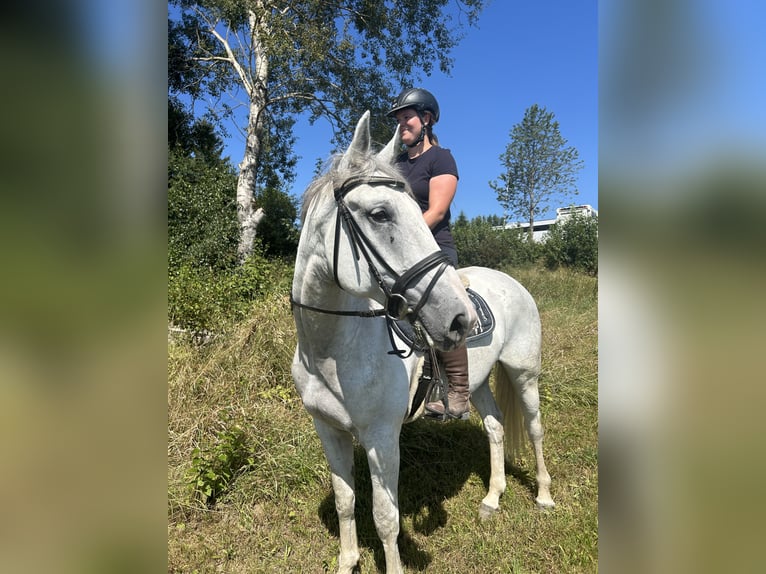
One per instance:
(396,307)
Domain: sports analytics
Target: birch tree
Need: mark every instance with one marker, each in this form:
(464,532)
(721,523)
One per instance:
(264,63)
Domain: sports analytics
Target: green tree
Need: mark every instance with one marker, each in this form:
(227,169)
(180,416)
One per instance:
(281,59)
(202,215)
(192,137)
(277,231)
(538,167)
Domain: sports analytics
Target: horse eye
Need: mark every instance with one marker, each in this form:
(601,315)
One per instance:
(379,216)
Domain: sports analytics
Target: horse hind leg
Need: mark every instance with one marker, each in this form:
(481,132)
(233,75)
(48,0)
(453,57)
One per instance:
(518,395)
(339,450)
(490,415)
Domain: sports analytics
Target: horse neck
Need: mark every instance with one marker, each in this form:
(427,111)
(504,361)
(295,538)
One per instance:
(314,286)
(325,335)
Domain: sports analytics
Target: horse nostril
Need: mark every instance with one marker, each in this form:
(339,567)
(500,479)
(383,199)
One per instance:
(459,325)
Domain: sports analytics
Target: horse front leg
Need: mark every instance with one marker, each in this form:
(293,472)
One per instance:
(339,450)
(383,457)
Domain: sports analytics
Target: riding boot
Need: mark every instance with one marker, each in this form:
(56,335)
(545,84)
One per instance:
(456,368)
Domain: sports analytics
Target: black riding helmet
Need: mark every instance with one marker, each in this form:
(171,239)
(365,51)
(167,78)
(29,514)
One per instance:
(418,98)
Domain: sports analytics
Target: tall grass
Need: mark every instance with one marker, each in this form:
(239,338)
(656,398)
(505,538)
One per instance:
(276,512)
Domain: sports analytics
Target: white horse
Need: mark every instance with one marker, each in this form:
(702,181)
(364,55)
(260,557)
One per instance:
(366,257)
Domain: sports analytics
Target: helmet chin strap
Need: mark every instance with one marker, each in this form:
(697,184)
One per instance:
(419,140)
(422,134)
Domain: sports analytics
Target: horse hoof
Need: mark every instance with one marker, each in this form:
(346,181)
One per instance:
(486,512)
(545,504)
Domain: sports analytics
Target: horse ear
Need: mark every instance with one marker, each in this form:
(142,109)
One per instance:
(360,145)
(388,154)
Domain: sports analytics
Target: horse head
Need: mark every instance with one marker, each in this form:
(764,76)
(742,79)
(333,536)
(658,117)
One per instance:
(379,247)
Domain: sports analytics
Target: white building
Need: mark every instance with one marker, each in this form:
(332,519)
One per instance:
(540,228)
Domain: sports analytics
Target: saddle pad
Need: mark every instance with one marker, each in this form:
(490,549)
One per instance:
(483,328)
(486,319)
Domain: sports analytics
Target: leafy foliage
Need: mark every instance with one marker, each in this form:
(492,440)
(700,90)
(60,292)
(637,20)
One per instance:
(331,60)
(482,241)
(192,137)
(202,214)
(538,166)
(277,231)
(215,466)
(203,299)
(573,243)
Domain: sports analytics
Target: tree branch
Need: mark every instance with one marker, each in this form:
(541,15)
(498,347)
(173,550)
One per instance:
(233,61)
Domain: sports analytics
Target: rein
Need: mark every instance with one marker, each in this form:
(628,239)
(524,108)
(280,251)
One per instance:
(396,307)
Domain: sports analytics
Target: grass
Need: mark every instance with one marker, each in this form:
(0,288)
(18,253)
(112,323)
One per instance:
(277,512)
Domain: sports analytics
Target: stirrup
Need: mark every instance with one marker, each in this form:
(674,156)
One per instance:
(446,415)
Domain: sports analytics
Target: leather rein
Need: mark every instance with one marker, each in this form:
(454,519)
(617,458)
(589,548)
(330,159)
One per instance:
(396,307)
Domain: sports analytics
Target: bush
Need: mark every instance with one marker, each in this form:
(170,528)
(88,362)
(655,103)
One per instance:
(215,466)
(479,242)
(202,299)
(573,243)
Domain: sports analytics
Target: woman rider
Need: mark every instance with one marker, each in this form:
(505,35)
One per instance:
(432,174)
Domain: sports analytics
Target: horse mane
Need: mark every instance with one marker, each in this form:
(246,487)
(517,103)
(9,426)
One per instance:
(338,172)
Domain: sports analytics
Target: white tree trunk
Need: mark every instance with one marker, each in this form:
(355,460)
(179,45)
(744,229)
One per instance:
(248,168)
(255,85)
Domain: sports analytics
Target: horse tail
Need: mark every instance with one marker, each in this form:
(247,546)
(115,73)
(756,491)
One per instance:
(509,402)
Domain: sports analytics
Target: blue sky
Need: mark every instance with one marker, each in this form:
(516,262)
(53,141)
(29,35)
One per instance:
(522,53)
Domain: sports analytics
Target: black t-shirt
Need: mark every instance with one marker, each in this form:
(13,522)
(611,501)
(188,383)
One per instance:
(418,173)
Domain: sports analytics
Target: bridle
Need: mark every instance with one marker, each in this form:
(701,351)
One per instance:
(396,307)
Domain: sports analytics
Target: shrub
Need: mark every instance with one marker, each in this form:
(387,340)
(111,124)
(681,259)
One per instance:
(202,299)
(215,466)
(573,243)
(480,242)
